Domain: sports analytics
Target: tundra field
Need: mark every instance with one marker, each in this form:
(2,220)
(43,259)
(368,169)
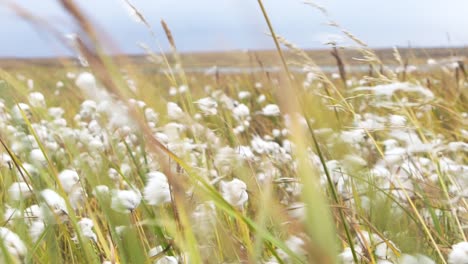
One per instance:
(246,157)
(132,164)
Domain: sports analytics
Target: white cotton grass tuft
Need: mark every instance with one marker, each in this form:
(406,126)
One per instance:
(36,229)
(125,201)
(297,210)
(11,214)
(457,146)
(183,88)
(19,190)
(431,61)
(37,99)
(157,189)
(116,110)
(245,152)
(241,112)
(56,112)
(174,111)
(271,110)
(295,244)
(37,157)
(69,180)
(243,95)
(86,226)
(459,253)
(234,192)
(276,133)
(13,245)
(6,161)
(55,206)
(100,191)
(70,75)
(18,110)
(86,82)
(387,90)
(151,115)
(397,120)
(33,212)
(30,84)
(173,91)
(207,105)
(261,98)
(335,76)
(77,197)
(121,229)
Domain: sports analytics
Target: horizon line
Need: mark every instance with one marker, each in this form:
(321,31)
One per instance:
(221,51)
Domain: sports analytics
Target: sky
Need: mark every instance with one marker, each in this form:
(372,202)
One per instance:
(219,25)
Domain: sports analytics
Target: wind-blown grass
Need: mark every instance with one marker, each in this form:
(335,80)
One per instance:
(111,164)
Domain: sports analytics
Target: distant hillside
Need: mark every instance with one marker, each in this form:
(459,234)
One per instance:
(257,58)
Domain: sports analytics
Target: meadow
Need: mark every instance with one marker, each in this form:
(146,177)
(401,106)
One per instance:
(266,158)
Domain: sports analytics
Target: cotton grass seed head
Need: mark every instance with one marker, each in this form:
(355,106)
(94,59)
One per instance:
(55,206)
(19,191)
(125,201)
(157,189)
(459,253)
(234,192)
(208,106)
(271,110)
(12,243)
(18,110)
(69,179)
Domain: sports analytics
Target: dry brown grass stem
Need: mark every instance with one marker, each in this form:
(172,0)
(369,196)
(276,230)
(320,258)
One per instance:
(168,33)
(340,64)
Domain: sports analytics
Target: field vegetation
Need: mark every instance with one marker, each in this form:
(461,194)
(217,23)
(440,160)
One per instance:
(115,159)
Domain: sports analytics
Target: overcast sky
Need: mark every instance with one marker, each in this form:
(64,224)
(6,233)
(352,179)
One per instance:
(206,25)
